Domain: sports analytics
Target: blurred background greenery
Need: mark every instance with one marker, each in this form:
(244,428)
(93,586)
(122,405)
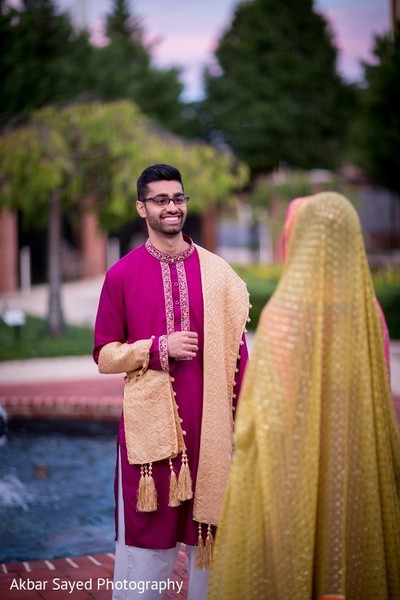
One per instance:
(79,121)
(261,282)
(30,342)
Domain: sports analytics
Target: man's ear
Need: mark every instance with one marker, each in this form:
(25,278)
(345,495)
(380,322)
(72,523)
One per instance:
(141,209)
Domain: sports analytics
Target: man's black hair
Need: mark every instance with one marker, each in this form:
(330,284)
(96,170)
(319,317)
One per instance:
(158,172)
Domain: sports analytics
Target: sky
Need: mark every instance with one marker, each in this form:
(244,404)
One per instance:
(185,32)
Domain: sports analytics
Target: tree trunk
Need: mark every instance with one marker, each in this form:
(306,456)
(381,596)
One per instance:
(55,319)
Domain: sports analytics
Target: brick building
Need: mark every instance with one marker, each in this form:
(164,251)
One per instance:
(86,257)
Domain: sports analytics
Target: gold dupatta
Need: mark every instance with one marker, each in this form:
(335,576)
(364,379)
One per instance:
(312,508)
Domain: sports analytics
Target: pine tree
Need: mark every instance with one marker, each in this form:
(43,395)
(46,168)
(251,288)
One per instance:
(379,122)
(274,94)
(44,59)
(124,69)
(120,24)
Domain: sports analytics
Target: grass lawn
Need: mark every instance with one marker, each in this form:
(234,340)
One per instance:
(32,341)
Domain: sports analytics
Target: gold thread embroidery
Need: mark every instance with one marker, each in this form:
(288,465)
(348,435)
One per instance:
(163,349)
(169,307)
(184,296)
(167,258)
(165,261)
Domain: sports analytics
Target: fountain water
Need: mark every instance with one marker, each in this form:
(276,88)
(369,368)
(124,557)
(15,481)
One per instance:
(56,494)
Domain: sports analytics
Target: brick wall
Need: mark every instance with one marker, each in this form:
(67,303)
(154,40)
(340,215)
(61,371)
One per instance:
(93,244)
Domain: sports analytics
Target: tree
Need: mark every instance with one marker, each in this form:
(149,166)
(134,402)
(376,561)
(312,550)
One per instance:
(82,157)
(34,165)
(120,24)
(7,14)
(273,94)
(379,119)
(43,59)
(124,69)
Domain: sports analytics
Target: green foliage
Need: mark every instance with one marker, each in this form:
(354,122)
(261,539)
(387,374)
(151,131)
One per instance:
(43,59)
(32,341)
(275,193)
(379,117)
(34,160)
(102,140)
(210,177)
(123,69)
(261,282)
(387,288)
(296,184)
(120,24)
(95,151)
(274,92)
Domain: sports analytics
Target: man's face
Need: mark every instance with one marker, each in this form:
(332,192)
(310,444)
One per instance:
(169,219)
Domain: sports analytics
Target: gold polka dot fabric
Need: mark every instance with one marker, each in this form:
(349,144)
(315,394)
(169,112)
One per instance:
(312,507)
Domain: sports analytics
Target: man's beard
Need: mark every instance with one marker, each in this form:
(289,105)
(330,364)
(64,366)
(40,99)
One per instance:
(158,224)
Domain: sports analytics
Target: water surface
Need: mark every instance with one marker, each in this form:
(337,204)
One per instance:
(56,495)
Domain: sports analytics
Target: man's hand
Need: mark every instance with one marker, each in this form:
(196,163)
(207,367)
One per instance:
(182,344)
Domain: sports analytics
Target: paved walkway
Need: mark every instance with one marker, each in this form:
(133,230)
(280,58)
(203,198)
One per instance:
(79,300)
(76,578)
(71,387)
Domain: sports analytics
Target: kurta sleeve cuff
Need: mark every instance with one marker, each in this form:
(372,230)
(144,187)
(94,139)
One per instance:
(116,357)
(159,359)
(163,347)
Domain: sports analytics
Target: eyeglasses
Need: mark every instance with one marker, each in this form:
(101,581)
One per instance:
(164,199)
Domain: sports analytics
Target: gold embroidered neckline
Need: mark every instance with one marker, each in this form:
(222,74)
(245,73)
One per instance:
(168,258)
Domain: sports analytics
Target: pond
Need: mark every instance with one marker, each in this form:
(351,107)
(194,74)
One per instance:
(56,494)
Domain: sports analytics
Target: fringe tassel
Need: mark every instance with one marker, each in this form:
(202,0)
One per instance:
(204,554)
(199,558)
(151,493)
(185,491)
(208,548)
(147,493)
(173,487)
(141,497)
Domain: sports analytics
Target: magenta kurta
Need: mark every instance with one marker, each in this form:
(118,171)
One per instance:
(148,293)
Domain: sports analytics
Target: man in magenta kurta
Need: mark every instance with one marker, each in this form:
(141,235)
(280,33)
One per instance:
(157,293)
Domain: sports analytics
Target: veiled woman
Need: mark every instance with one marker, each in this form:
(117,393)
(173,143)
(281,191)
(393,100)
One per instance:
(313,503)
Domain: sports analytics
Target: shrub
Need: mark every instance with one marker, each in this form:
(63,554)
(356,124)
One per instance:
(262,280)
(387,288)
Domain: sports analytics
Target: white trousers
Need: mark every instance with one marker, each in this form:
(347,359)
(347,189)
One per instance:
(142,573)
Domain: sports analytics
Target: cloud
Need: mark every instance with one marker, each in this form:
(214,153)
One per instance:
(355,26)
